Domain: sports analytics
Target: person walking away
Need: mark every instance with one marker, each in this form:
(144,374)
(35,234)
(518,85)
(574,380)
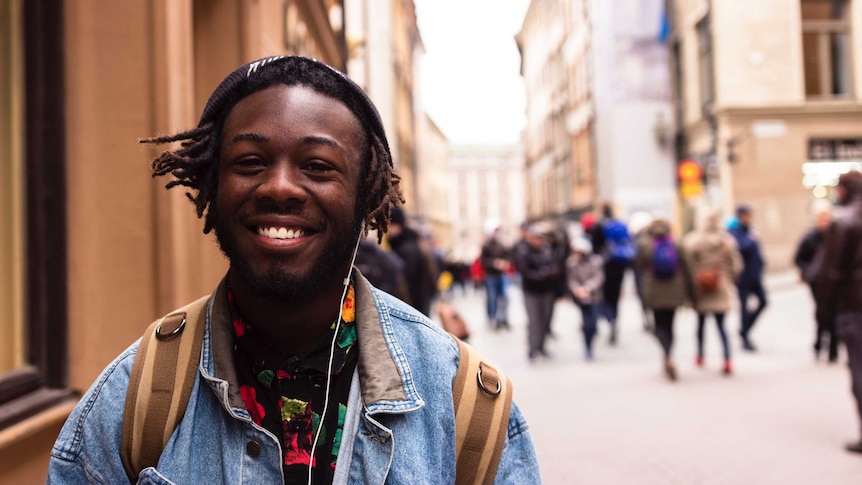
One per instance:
(750,281)
(619,252)
(584,278)
(495,263)
(304,372)
(714,263)
(539,269)
(638,222)
(661,261)
(839,284)
(383,269)
(420,269)
(808,261)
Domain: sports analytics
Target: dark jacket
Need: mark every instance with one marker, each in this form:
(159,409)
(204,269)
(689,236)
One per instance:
(419,268)
(839,284)
(384,269)
(806,258)
(749,248)
(539,267)
(493,250)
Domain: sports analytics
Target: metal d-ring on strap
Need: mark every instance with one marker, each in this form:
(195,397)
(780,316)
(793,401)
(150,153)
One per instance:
(174,332)
(482,384)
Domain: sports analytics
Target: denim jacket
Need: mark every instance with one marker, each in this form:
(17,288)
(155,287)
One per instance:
(400,413)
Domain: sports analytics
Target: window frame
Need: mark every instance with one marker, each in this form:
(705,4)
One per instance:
(824,29)
(42,381)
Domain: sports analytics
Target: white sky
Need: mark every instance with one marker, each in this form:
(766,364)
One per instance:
(470,85)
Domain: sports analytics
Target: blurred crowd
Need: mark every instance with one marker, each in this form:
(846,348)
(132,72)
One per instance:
(716,268)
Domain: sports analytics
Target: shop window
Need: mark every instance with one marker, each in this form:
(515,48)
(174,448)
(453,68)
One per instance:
(32,210)
(826,48)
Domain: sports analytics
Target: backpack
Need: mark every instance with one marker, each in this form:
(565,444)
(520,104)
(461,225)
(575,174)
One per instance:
(619,245)
(665,258)
(166,366)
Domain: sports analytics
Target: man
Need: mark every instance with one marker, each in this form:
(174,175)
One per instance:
(839,283)
(420,267)
(750,281)
(495,263)
(808,260)
(540,270)
(290,166)
(611,239)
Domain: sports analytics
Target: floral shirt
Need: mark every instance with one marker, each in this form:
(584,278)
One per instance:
(285,393)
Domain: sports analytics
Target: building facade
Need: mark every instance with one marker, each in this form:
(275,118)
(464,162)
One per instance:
(597,79)
(435,189)
(487,191)
(93,248)
(385,49)
(770,105)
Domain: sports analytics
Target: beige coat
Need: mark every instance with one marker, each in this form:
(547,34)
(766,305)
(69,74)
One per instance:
(713,248)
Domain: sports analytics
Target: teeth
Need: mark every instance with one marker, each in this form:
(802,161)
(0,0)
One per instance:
(280,232)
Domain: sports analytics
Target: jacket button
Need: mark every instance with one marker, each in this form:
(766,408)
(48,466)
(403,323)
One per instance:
(253,449)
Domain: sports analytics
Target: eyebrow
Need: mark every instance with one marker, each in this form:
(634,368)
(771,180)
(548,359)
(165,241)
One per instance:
(308,140)
(247,137)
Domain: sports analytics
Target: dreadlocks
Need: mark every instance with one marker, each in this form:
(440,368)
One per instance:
(195,163)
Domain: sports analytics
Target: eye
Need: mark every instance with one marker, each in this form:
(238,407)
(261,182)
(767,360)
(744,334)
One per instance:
(249,164)
(318,166)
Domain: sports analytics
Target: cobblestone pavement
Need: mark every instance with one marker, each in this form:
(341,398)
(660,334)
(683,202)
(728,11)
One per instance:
(782,418)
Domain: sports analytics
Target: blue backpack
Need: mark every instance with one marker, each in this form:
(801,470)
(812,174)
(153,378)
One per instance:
(620,247)
(665,258)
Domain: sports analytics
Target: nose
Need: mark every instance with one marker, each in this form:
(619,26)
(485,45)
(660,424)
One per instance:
(282,183)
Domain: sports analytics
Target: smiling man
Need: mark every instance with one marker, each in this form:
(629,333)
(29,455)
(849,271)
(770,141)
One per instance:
(307,373)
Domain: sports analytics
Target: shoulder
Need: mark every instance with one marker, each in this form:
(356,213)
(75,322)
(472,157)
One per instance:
(92,433)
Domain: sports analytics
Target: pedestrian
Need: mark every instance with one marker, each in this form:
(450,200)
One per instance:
(539,269)
(495,264)
(808,261)
(584,278)
(666,285)
(714,263)
(420,264)
(839,284)
(307,373)
(750,281)
(383,269)
(618,250)
(638,223)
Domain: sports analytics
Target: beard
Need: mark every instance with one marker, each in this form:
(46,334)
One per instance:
(276,282)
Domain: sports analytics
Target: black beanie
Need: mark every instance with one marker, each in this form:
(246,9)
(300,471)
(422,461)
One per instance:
(239,84)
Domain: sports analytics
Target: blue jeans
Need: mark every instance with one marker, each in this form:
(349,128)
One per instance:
(495,293)
(590,319)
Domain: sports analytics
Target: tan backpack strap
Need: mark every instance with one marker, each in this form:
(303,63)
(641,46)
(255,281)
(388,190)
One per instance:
(160,385)
(482,395)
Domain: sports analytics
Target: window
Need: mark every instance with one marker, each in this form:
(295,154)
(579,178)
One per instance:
(32,210)
(826,48)
(705,62)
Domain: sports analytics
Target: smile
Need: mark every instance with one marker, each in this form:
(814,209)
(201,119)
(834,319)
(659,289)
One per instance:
(280,232)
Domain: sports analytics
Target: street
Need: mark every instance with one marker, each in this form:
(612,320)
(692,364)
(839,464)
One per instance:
(782,418)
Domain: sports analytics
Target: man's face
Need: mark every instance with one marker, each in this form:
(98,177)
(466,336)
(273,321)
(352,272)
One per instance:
(822,220)
(288,175)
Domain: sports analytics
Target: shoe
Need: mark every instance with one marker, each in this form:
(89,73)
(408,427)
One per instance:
(747,345)
(698,361)
(670,369)
(854,447)
(727,368)
(613,339)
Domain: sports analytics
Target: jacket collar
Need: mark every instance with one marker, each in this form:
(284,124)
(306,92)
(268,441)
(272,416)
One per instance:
(384,374)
